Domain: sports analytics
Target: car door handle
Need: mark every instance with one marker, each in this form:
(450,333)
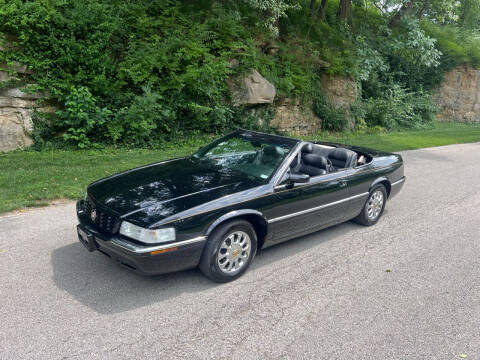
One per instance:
(343,184)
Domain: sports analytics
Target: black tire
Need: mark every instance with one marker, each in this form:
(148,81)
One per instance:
(209,261)
(364,218)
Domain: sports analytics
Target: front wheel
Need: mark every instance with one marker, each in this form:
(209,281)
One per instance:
(373,209)
(229,251)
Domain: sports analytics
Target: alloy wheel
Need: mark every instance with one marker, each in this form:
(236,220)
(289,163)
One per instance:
(375,205)
(234,252)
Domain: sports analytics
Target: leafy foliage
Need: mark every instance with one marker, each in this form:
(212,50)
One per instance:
(398,108)
(137,122)
(458,45)
(469,16)
(333,118)
(81,115)
(140,73)
(273,10)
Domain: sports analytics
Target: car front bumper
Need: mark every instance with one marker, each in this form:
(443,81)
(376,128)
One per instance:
(146,260)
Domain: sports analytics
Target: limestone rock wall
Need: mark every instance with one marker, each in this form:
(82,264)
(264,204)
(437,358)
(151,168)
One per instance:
(294,118)
(459,95)
(16,109)
(251,89)
(341,91)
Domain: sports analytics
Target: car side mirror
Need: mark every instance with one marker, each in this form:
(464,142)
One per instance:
(290,179)
(298,178)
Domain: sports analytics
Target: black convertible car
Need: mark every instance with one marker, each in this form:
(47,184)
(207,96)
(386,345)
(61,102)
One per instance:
(241,193)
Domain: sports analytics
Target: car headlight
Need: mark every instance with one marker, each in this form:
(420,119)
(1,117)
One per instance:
(147,236)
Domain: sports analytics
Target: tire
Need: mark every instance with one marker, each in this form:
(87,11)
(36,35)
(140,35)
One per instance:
(219,261)
(371,212)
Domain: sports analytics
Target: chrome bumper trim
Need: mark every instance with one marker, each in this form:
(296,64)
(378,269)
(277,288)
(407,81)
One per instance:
(398,182)
(137,249)
(317,208)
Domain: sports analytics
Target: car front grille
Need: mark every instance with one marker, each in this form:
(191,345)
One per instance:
(101,219)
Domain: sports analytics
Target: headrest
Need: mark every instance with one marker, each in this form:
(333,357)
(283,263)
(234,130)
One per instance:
(315,160)
(340,154)
(307,148)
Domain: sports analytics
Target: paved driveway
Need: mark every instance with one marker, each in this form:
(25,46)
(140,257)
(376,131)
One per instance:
(407,288)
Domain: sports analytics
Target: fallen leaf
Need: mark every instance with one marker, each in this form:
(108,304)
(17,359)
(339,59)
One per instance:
(463,356)
(388,270)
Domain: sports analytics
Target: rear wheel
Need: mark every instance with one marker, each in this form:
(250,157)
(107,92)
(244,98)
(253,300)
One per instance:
(373,208)
(229,251)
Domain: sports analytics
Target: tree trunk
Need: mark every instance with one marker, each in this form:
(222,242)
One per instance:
(345,6)
(321,13)
(405,10)
(420,13)
(312,7)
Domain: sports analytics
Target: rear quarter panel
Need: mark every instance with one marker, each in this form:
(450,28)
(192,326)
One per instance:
(385,168)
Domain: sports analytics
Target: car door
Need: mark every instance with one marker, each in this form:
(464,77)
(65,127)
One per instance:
(304,208)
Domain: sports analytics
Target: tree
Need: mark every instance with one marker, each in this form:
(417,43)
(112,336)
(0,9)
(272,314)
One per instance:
(469,14)
(344,10)
(406,9)
(323,6)
(273,10)
(321,10)
(440,11)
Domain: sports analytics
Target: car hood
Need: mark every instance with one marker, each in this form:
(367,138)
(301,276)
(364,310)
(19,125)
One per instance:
(151,193)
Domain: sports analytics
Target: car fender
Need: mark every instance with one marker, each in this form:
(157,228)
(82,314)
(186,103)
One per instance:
(381,179)
(232,215)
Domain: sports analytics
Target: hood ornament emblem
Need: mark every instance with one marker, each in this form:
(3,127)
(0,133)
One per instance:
(93,215)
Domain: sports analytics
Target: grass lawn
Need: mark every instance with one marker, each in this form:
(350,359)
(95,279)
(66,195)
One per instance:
(441,134)
(29,178)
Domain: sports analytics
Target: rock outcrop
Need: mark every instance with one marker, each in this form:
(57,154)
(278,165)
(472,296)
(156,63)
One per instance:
(293,117)
(15,127)
(341,91)
(296,118)
(251,89)
(16,109)
(459,95)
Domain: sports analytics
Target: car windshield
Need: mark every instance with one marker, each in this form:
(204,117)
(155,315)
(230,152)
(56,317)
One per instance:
(251,154)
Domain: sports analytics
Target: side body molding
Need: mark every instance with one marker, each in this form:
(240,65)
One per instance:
(234,214)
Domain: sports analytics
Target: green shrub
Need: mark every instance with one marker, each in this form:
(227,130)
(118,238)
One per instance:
(160,66)
(333,118)
(81,117)
(399,108)
(459,46)
(66,43)
(145,121)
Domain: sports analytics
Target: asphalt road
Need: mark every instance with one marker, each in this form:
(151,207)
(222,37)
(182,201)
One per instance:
(407,288)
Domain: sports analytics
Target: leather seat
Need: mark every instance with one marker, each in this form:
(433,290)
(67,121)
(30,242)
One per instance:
(313,164)
(342,158)
(309,163)
(307,148)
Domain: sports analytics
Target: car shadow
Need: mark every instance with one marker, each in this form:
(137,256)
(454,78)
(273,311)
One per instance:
(105,287)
